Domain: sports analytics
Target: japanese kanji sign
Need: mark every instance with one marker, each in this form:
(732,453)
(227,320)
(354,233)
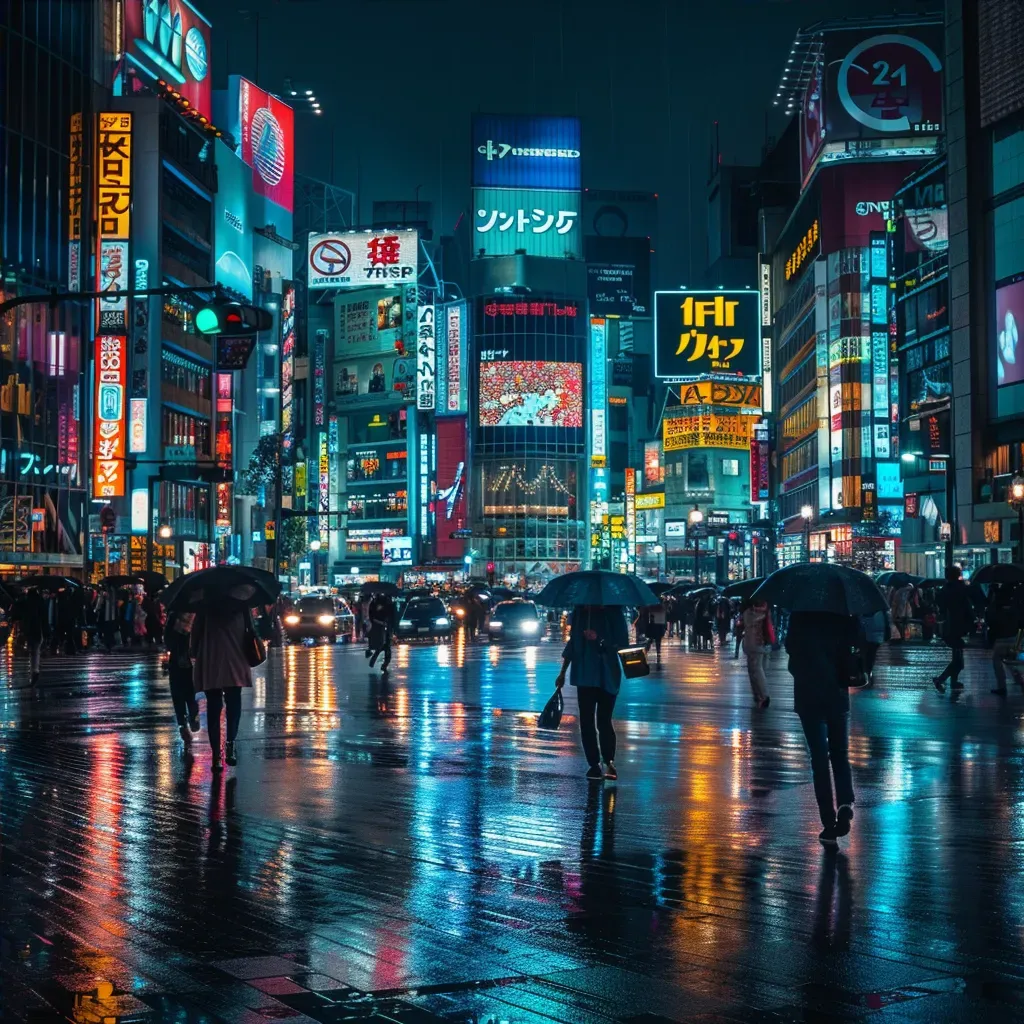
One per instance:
(539,223)
(426,360)
(707,332)
(75,204)
(707,431)
(353,259)
(113,217)
(109,427)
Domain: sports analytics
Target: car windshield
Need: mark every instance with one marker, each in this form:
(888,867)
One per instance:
(316,605)
(425,606)
(509,612)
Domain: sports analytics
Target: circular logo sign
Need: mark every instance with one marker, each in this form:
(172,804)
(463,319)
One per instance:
(195,53)
(268,150)
(330,257)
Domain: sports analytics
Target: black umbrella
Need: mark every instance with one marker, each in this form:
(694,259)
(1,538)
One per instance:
(48,582)
(660,588)
(121,581)
(379,587)
(821,587)
(597,587)
(209,588)
(897,579)
(999,572)
(154,582)
(743,588)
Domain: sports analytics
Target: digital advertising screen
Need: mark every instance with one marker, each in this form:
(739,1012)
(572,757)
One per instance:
(450,499)
(396,550)
(266,142)
(232,232)
(517,151)
(374,378)
(374,321)
(707,332)
(1009,318)
(531,394)
(171,41)
(534,221)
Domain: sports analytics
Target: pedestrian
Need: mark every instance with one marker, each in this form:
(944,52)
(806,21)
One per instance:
(30,612)
(221,670)
(597,634)
(125,610)
(1005,630)
(957,621)
(652,623)
(138,619)
(737,630)
(758,637)
(703,613)
(382,625)
(875,631)
(154,619)
(904,603)
(819,646)
(177,632)
(106,616)
(723,619)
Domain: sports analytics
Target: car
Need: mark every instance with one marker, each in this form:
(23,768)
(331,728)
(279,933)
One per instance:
(319,618)
(424,618)
(515,620)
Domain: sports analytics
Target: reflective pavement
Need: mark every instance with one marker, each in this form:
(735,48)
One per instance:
(414,850)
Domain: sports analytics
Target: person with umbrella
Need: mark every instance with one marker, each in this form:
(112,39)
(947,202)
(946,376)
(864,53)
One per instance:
(31,613)
(958,621)
(824,601)
(758,638)
(382,625)
(179,669)
(591,657)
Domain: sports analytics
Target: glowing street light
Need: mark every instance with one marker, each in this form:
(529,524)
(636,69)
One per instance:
(695,518)
(1015,500)
(807,513)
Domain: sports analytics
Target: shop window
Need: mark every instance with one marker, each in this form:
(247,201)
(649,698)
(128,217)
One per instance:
(1007,157)
(730,467)
(1008,238)
(697,474)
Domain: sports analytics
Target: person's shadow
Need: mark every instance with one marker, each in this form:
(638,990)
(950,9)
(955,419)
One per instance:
(835,902)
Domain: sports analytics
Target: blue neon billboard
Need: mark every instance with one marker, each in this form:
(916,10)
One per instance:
(511,151)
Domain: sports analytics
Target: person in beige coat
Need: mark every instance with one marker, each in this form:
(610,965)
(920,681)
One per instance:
(758,637)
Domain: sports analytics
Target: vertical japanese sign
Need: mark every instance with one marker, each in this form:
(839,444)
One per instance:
(75,204)
(457,379)
(223,443)
(598,390)
(287,366)
(631,519)
(424,484)
(113,218)
(324,521)
(109,427)
(138,420)
(426,360)
(319,377)
(766,331)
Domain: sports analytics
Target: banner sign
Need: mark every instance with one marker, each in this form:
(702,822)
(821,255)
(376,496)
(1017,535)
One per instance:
(708,392)
(75,204)
(353,259)
(706,431)
(454,401)
(710,332)
(266,142)
(113,217)
(426,360)
(511,151)
(538,223)
(108,428)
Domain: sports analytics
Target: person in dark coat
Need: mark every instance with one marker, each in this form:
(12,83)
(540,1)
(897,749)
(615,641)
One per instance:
(818,644)
(723,619)
(221,671)
(382,625)
(957,621)
(31,614)
(179,670)
(591,656)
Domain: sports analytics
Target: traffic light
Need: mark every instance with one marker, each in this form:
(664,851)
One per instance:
(232,319)
(490,574)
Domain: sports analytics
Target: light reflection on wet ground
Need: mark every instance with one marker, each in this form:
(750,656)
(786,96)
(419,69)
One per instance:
(413,847)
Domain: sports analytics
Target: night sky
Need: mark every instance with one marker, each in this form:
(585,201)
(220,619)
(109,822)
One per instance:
(398,80)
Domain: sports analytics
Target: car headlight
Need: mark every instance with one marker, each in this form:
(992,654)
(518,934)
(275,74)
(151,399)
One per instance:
(495,624)
(530,626)
(325,620)
(405,622)
(291,620)
(459,612)
(442,620)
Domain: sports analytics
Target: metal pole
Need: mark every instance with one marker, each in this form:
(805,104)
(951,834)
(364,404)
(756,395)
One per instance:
(950,511)
(106,551)
(1020,533)
(696,562)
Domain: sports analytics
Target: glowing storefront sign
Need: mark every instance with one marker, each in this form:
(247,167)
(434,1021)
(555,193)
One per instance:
(352,259)
(598,387)
(75,204)
(706,431)
(455,399)
(710,332)
(113,217)
(807,248)
(324,506)
(138,424)
(111,353)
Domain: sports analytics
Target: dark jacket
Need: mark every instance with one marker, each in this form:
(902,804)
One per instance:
(31,612)
(957,610)
(818,644)
(596,662)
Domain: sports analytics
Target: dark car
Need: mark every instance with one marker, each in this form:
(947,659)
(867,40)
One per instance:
(424,618)
(515,620)
(319,618)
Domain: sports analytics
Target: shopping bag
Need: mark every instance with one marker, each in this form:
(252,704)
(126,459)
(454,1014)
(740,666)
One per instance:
(634,662)
(551,716)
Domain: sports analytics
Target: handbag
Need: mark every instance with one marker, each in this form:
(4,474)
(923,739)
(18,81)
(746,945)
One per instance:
(255,649)
(551,716)
(855,675)
(634,662)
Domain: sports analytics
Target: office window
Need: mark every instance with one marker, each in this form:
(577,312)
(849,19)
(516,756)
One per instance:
(730,467)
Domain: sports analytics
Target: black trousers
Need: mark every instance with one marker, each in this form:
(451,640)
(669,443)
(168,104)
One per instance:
(828,740)
(231,698)
(183,696)
(956,661)
(595,702)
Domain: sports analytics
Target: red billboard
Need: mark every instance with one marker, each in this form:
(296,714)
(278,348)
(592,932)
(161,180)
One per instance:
(857,200)
(812,124)
(266,134)
(450,500)
(170,42)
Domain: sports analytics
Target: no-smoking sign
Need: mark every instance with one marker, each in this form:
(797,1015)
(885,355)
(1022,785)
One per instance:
(330,257)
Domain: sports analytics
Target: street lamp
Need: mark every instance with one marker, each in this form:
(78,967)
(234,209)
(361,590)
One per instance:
(165,532)
(314,545)
(1016,501)
(806,512)
(695,518)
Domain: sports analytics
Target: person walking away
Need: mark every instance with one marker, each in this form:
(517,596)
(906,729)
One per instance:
(958,620)
(702,631)
(758,637)
(138,619)
(591,657)
(30,612)
(819,644)
(902,607)
(154,618)
(653,622)
(382,624)
(106,617)
(177,632)
(875,631)
(723,619)
(221,671)
(1004,629)
(737,629)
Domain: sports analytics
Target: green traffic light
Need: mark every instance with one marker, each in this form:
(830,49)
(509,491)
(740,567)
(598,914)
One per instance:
(207,321)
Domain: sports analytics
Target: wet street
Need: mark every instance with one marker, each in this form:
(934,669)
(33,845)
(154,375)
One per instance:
(416,851)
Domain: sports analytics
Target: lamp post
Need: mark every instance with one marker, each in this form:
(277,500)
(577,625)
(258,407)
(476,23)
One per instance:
(659,550)
(695,518)
(806,512)
(1016,502)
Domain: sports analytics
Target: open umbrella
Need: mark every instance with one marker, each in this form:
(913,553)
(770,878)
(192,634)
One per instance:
(897,579)
(121,581)
(743,588)
(154,582)
(43,582)
(597,587)
(999,572)
(209,588)
(660,588)
(379,587)
(822,587)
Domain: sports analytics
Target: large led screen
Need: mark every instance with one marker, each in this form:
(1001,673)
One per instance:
(512,151)
(522,393)
(1009,317)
